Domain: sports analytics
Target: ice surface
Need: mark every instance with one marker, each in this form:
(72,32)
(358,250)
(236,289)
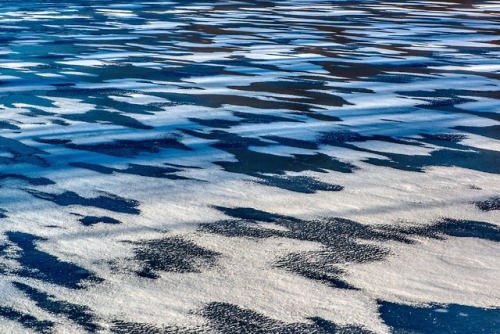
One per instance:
(238,166)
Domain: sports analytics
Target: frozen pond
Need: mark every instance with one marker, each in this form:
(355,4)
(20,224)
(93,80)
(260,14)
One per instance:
(249,166)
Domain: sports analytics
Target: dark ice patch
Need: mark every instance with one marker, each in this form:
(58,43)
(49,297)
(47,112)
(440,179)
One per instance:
(339,137)
(59,122)
(250,214)
(257,164)
(106,201)
(26,320)
(244,118)
(323,117)
(217,101)
(108,117)
(35,181)
(79,314)
(226,140)
(485,131)
(302,91)
(225,318)
(126,327)
(93,220)
(53,141)
(452,153)
(135,169)
(440,97)
(338,237)
(450,318)
(229,318)
(44,266)
(343,138)
(341,239)
(214,123)
(261,118)
(123,148)
(482,160)
(446,228)
(447,140)
(321,266)
(490,204)
(444,137)
(396,78)
(21,153)
(292,142)
(172,254)
(101,97)
(8,125)
(300,184)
